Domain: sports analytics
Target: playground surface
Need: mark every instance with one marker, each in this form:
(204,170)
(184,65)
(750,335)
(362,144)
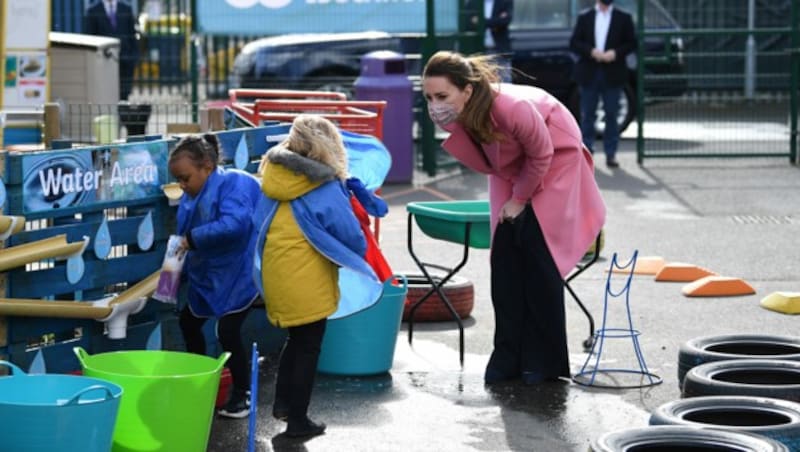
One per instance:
(738,218)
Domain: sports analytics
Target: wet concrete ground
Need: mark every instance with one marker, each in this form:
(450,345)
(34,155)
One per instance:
(736,217)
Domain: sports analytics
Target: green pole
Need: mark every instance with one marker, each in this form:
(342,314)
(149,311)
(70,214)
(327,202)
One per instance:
(795,67)
(193,60)
(428,139)
(640,83)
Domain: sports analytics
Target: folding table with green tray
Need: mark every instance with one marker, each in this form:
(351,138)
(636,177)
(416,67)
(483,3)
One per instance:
(467,223)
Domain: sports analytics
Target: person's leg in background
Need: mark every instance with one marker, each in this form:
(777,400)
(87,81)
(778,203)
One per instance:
(126,69)
(192,330)
(304,343)
(229,329)
(611,95)
(589,97)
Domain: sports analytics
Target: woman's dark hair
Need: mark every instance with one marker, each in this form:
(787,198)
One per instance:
(480,72)
(199,148)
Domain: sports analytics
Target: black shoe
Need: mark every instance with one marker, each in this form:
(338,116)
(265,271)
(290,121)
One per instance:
(612,163)
(238,407)
(304,429)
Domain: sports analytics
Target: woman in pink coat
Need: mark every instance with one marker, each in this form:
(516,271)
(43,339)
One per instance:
(546,208)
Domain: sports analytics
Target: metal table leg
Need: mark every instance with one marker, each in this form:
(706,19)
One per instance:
(589,342)
(437,287)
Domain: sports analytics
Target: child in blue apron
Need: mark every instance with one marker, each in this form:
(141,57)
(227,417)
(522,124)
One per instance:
(215,222)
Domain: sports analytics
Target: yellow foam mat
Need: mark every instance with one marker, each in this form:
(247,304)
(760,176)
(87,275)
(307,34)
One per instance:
(783,302)
(718,286)
(681,272)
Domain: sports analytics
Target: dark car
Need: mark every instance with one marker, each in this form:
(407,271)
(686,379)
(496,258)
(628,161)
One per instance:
(329,61)
(540,34)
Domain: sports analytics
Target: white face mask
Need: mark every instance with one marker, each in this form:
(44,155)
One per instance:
(442,113)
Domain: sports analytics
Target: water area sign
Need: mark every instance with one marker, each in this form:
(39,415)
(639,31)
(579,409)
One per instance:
(63,179)
(260,17)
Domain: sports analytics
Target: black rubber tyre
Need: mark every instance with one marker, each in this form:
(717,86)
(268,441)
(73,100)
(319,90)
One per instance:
(735,346)
(749,377)
(676,438)
(460,291)
(773,418)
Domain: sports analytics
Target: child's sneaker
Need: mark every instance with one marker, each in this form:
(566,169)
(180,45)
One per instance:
(238,407)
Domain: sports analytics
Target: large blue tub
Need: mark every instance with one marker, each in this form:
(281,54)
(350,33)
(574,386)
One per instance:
(363,343)
(56,413)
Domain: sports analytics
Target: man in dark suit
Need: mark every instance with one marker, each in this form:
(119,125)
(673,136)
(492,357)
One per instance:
(498,18)
(115,18)
(602,38)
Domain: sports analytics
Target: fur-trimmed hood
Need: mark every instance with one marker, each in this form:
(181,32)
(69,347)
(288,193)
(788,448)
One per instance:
(289,175)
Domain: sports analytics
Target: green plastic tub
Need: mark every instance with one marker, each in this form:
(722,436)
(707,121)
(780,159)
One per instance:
(169,397)
(447,220)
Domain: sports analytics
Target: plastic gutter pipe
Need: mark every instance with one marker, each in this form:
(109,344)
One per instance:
(49,248)
(114,311)
(10,225)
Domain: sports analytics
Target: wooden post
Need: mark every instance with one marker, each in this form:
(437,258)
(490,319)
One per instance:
(215,119)
(52,124)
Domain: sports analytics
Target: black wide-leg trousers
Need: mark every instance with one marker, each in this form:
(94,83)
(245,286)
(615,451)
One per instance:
(530,340)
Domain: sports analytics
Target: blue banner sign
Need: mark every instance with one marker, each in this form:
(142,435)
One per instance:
(273,17)
(72,178)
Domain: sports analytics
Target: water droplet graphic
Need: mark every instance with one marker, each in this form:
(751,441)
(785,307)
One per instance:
(102,240)
(144,236)
(154,341)
(2,192)
(37,365)
(242,156)
(75,269)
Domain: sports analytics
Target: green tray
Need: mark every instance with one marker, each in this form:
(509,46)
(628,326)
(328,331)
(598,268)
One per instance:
(446,220)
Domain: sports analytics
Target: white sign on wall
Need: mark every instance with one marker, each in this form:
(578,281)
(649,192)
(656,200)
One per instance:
(27,24)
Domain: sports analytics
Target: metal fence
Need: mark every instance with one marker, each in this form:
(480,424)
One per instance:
(736,94)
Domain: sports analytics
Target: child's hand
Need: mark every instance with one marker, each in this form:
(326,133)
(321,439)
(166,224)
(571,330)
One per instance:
(183,245)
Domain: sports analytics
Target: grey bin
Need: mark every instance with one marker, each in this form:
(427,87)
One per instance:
(384,77)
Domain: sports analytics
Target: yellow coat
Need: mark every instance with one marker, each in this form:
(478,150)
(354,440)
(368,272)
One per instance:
(300,284)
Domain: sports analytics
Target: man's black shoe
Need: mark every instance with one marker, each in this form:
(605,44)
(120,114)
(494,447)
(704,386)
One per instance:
(612,163)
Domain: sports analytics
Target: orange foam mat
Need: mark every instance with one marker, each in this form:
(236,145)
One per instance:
(645,265)
(681,272)
(718,286)
(783,302)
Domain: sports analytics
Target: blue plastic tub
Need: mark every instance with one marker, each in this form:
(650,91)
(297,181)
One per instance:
(56,413)
(363,343)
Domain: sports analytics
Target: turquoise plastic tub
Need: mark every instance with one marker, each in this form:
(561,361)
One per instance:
(56,413)
(447,220)
(363,343)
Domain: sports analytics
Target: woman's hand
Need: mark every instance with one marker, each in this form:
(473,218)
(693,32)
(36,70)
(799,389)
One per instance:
(511,210)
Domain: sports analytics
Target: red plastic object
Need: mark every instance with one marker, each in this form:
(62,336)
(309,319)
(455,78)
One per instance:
(359,116)
(242,100)
(225,382)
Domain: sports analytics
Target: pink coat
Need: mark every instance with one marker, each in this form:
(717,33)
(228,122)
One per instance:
(542,159)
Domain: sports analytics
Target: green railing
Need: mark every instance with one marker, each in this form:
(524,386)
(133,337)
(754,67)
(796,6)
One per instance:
(734,96)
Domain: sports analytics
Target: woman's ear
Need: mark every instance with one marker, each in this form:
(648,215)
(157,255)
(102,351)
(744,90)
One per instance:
(467,92)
